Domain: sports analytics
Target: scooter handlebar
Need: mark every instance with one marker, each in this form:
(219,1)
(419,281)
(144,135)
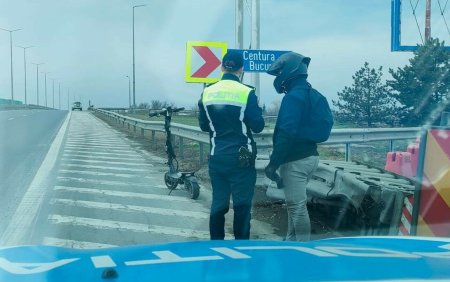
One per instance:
(176,110)
(164,111)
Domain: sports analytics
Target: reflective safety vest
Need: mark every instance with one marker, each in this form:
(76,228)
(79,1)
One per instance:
(225,103)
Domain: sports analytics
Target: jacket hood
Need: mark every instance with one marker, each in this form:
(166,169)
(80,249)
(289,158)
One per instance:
(297,87)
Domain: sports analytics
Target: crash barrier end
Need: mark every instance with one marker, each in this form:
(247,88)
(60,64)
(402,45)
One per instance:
(399,163)
(413,149)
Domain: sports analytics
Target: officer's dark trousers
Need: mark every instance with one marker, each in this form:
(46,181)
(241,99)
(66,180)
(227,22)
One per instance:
(227,179)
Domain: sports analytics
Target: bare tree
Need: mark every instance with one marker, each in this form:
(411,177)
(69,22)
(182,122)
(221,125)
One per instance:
(144,105)
(167,104)
(156,104)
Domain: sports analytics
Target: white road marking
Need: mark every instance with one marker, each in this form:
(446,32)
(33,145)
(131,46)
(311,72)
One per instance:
(129,226)
(105,167)
(98,149)
(117,142)
(10,118)
(94,160)
(97,173)
(109,182)
(120,158)
(113,141)
(84,145)
(23,218)
(94,138)
(111,162)
(109,141)
(96,152)
(97,144)
(57,242)
(78,132)
(125,194)
(129,208)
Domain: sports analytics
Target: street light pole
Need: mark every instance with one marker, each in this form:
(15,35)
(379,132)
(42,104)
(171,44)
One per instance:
(45,75)
(25,67)
(68,89)
(59,95)
(134,77)
(37,82)
(239,25)
(53,92)
(12,78)
(129,92)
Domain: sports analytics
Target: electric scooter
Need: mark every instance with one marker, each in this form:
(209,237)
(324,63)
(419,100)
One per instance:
(174,177)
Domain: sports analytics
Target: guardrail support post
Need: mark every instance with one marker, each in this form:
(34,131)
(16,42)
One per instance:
(153,138)
(142,132)
(181,147)
(348,152)
(391,145)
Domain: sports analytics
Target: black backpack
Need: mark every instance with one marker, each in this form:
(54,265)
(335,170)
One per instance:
(319,117)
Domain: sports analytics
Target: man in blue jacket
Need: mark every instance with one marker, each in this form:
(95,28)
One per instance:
(229,111)
(293,153)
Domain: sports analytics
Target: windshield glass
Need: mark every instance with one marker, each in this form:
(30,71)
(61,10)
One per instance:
(166,121)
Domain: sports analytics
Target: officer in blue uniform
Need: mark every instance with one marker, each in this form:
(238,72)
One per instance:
(229,111)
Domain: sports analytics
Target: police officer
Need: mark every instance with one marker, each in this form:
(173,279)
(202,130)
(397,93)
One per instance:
(229,111)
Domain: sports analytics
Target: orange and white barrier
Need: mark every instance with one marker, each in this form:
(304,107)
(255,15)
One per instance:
(433,216)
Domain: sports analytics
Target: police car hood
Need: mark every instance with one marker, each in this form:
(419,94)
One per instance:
(341,259)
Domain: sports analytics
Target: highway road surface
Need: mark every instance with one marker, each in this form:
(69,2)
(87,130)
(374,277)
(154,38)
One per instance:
(97,188)
(25,137)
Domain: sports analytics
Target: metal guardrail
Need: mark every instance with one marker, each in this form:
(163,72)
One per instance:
(346,136)
(6,107)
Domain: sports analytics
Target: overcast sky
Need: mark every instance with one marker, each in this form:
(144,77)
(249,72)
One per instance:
(87,44)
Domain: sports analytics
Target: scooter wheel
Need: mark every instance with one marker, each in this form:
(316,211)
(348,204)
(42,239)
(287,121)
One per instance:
(193,188)
(170,183)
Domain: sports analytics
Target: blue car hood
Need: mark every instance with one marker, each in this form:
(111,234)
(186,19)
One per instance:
(340,259)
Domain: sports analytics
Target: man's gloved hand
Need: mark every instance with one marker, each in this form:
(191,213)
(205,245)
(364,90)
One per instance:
(271,173)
